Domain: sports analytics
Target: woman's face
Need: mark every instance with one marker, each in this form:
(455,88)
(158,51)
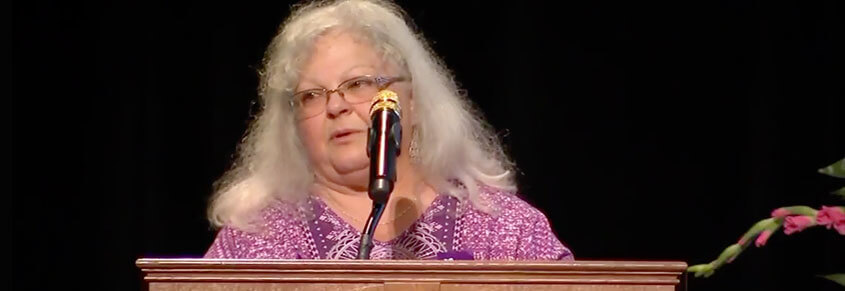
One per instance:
(336,138)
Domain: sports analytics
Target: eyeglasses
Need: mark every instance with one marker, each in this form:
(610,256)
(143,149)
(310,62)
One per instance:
(311,102)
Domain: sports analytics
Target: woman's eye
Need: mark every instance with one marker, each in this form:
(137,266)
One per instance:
(359,83)
(308,96)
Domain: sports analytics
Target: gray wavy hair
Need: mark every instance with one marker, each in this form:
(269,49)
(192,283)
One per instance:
(458,151)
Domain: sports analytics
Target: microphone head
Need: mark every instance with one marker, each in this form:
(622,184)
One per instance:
(386,99)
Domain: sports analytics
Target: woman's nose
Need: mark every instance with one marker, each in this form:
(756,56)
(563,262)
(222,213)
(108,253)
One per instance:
(336,104)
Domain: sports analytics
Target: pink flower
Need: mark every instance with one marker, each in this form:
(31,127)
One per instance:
(780,212)
(796,223)
(762,238)
(840,227)
(830,216)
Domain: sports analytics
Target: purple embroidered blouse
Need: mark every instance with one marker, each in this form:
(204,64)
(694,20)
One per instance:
(448,229)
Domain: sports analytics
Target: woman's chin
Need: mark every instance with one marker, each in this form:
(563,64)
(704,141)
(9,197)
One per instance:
(355,179)
(351,166)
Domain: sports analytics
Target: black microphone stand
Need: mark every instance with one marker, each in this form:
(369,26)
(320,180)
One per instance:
(379,187)
(369,229)
(375,216)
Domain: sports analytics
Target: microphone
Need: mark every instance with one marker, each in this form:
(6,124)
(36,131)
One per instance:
(383,146)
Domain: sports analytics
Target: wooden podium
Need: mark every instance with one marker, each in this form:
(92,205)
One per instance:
(203,274)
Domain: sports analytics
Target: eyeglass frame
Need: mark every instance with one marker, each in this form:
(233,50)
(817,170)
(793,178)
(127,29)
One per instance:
(382,82)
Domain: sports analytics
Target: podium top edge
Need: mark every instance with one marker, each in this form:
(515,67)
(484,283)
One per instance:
(166,263)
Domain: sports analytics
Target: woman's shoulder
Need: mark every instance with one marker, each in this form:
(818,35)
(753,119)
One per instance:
(278,232)
(505,205)
(505,226)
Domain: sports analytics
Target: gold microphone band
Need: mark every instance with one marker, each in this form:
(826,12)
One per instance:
(386,99)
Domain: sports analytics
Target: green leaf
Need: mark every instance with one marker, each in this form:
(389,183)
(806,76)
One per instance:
(770,224)
(840,192)
(802,210)
(836,169)
(703,270)
(838,278)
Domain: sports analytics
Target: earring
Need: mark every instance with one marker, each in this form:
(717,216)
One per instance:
(414,147)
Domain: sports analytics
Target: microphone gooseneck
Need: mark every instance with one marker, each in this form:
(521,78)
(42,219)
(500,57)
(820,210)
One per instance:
(383,146)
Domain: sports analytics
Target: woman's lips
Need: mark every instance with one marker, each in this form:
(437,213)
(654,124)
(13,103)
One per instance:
(343,134)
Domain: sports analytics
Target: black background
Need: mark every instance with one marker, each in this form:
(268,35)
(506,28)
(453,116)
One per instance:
(653,131)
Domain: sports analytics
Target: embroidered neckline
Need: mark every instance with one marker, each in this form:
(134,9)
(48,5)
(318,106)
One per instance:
(413,226)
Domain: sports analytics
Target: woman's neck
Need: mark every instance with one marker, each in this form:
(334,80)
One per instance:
(409,182)
(410,197)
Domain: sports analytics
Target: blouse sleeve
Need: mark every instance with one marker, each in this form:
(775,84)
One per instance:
(223,246)
(539,242)
(233,243)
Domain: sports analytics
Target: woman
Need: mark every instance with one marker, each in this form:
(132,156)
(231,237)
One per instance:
(299,186)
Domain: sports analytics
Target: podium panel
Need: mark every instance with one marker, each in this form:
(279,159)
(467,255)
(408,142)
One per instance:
(204,274)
